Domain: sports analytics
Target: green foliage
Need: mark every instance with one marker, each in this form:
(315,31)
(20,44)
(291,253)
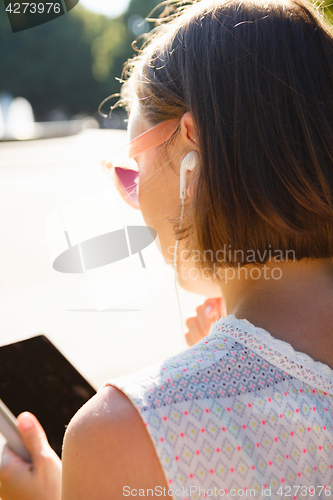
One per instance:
(327,5)
(68,64)
(72,62)
(142,8)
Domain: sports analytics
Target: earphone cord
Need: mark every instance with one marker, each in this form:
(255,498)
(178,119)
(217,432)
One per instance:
(175,269)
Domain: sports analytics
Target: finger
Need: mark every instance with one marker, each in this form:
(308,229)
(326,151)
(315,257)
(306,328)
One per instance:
(194,334)
(189,340)
(32,434)
(8,457)
(221,307)
(206,314)
(11,465)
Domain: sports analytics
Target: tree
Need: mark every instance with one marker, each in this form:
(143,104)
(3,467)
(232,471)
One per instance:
(72,62)
(69,63)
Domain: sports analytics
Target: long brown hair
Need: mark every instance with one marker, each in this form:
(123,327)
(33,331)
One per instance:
(257,77)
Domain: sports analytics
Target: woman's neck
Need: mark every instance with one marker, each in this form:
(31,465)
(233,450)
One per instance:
(293,301)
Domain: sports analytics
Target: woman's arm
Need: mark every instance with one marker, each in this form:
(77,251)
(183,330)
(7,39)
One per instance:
(106,449)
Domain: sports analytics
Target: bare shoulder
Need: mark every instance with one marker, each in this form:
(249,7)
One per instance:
(106,449)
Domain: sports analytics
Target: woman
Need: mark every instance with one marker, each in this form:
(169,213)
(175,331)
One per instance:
(242,178)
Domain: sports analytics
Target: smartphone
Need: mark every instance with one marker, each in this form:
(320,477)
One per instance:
(36,377)
(8,428)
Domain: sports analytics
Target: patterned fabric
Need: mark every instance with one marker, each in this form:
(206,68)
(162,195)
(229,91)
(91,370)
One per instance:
(239,410)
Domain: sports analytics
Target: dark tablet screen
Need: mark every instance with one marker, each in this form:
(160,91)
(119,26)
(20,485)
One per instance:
(36,377)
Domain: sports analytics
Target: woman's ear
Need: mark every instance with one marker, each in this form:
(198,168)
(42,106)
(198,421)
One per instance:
(190,190)
(187,129)
(189,140)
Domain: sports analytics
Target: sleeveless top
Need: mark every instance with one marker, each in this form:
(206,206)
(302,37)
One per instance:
(240,414)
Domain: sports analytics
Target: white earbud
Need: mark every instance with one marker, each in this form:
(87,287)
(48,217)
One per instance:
(190,161)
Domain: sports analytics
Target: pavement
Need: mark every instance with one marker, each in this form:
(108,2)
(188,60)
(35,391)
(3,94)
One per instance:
(37,179)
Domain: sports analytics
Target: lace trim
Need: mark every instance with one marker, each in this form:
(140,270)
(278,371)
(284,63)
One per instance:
(277,352)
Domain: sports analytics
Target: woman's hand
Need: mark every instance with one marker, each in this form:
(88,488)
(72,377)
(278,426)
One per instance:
(199,325)
(39,480)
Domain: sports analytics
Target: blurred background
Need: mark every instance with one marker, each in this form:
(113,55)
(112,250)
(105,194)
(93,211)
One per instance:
(52,140)
(66,67)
